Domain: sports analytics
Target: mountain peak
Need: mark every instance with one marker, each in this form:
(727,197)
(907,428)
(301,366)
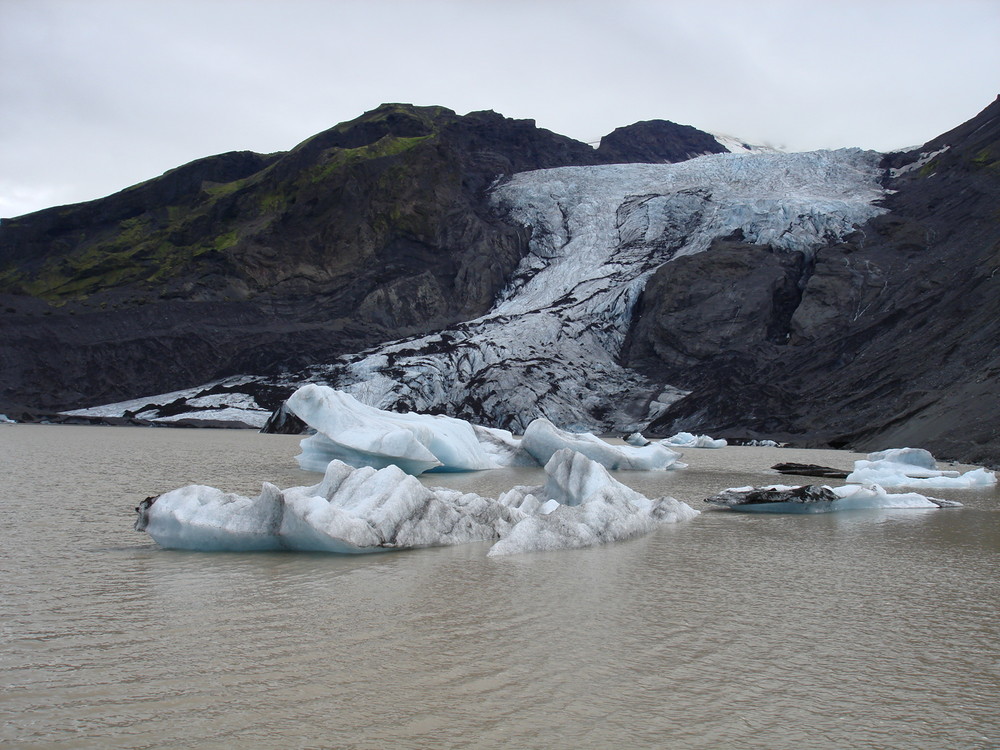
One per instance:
(657,142)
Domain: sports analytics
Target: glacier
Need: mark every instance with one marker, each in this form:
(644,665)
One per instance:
(549,346)
(363,510)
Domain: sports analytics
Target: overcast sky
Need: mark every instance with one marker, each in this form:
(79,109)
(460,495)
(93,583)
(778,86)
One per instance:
(100,94)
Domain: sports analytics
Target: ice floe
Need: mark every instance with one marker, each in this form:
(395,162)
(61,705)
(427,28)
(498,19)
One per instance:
(542,439)
(361,435)
(591,508)
(687,440)
(812,498)
(359,510)
(914,467)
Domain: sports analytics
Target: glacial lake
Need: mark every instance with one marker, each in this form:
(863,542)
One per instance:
(869,629)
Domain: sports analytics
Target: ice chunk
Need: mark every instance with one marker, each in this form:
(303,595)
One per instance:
(205,518)
(812,498)
(590,508)
(502,447)
(914,467)
(542,439)
(361,435)
(350,511)
(687,440)
(358,510)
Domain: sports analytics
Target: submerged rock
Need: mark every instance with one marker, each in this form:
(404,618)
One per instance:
(810,470)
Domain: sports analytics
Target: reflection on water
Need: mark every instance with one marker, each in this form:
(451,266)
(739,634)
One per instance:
(867,629)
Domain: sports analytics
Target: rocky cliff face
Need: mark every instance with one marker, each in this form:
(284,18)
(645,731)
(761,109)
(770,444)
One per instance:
(889,337)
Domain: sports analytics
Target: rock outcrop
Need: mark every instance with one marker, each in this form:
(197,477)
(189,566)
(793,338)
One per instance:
(888,338)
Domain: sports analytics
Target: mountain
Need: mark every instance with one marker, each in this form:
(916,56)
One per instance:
(482,267)
(375,229)
(888,337)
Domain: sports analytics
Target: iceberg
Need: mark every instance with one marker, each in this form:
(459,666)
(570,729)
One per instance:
(812,498)
(363,510)
(543,440)
(584,506)
(914,467)
(687,440)
(360,435)
(352,510)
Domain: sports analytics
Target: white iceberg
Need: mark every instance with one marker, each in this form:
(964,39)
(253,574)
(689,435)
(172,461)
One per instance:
(353,510)
(687,440)
(360,510)
(581,505)
(637,439)
(542,439)
(914,467)
(812,498)
(360,435)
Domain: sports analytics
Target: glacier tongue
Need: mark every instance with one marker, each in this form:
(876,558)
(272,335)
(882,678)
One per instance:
(550,344)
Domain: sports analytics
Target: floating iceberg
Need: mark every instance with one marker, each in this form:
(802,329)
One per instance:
(914,467)
(814,498)
(351,511)
(359,510)
(360,435)
(687,440)
(542,439)
(583,506)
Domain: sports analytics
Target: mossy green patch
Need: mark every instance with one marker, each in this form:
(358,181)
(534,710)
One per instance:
(988,158)
(335,159)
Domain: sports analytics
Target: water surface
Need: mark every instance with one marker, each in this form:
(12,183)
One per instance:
(871,629)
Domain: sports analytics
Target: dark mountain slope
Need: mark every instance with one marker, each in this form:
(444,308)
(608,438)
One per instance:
(656,142)
(890,338)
